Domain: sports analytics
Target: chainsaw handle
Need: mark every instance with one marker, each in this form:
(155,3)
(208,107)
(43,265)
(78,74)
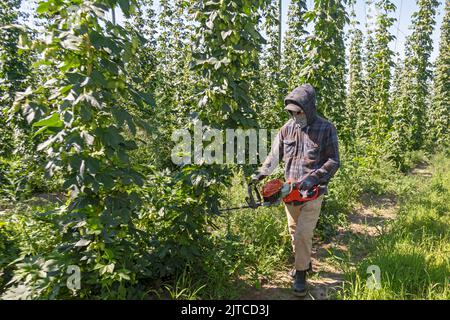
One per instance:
(258,195)
(315,189)
(295,194)
(315,195)
(252,187)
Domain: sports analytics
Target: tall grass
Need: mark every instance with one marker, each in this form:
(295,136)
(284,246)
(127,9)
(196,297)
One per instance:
(414,256)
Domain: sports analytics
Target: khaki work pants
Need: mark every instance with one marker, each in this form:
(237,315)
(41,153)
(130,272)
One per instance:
(302,220)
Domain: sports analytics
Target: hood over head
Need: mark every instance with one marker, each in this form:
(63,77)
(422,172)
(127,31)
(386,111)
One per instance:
(305,97)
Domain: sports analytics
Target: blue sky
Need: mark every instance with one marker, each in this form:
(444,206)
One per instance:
(405,9)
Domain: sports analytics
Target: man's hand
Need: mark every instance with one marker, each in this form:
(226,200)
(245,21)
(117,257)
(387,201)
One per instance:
(308,183)
(257,176)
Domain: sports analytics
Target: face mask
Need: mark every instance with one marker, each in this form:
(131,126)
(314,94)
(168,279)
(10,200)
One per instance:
(300,120)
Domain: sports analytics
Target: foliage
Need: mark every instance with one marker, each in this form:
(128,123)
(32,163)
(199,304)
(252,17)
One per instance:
(13,63)
(269,88)
(324,64)
(355,103)
(293,54)
(20,170)
(78,109)
(412,97)
(227,47)
(439,123)
(380,108)
(142,65)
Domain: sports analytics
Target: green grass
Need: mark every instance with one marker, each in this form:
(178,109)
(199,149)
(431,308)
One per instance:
(414,256)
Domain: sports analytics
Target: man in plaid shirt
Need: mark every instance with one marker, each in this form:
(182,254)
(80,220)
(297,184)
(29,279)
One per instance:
(308,145)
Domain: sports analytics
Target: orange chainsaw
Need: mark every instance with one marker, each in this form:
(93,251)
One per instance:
(275,191)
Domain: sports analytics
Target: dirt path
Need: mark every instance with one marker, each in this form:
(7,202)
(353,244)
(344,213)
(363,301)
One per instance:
(367,220)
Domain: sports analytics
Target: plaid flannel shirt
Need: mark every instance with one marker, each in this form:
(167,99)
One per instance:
(312,150)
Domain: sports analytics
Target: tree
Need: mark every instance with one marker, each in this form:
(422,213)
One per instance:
(143,64)
(412,111)
(81,112)
(369,63)
(355,104)
(293,55)
(14,75)
(380,111)
(269,88)
(401,128)
(228,44)
(13,66)
(440,107)
(324,65)
(20,167)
